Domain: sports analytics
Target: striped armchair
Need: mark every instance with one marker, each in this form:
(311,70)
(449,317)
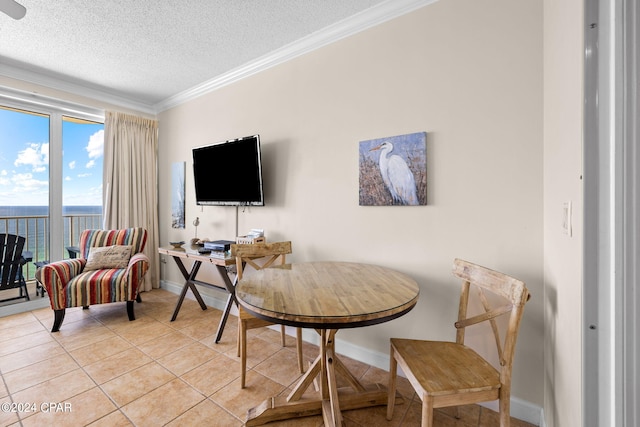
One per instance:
(96,277)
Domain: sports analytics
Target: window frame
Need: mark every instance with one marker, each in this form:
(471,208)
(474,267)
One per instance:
(56,109)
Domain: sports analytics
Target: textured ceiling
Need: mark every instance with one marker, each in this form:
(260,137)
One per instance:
(150,50)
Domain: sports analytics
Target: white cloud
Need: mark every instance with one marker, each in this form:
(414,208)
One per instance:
(25,182)
(67,178)
(90,164)
(84,175)
(72,164)
(35,155)
(95,147)
(21,177)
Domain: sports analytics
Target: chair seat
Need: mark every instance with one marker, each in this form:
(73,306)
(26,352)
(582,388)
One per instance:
(99,287)
(252,321)
(441,368)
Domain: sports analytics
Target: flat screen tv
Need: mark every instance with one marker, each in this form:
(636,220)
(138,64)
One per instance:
(229,173)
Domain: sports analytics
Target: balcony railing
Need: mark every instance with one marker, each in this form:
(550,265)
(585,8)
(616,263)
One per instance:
(36,230)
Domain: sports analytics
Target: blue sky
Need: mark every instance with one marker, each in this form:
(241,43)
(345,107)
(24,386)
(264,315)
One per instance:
(24,161)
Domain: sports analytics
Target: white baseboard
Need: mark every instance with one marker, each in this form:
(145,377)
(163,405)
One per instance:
(520,409)
(21,307)
(542,422)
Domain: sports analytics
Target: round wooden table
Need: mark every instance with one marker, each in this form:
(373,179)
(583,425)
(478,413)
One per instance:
(325,296)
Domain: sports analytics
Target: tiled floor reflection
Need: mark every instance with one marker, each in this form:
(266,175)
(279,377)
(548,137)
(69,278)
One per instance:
(102,370)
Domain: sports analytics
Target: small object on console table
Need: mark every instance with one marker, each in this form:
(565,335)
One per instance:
(248,240)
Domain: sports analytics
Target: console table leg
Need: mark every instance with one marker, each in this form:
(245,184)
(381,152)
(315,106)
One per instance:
(231,288)
(180,299)
(223,319)
(198,297)
(190,281)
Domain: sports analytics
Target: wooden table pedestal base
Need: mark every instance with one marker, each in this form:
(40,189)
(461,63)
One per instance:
(328,399)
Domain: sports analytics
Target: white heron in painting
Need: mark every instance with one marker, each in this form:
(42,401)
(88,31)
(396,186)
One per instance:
(396,175)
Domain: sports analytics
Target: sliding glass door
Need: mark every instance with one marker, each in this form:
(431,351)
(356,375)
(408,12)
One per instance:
(50,180)
(24,179)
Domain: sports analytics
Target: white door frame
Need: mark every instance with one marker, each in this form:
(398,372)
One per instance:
(630,245)
(611,299)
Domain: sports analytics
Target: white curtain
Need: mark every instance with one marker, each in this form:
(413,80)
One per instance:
(130,189)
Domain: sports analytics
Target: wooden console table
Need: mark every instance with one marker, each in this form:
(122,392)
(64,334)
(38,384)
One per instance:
(178,254)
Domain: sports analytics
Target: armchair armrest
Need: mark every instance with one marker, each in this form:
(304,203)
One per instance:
(136,258)
(137,268)
(56,275)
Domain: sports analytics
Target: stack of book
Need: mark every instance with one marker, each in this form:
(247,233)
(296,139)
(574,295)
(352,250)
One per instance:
(219,248)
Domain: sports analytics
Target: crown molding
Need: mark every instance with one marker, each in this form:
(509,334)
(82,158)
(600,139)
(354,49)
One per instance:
(41,79)
(376,15)
(369,18)
(34,100)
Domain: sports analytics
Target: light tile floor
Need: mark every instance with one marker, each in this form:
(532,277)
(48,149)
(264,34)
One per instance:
(102,370)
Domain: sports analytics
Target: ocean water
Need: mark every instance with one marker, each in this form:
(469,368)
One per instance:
(12,211)
(32,222)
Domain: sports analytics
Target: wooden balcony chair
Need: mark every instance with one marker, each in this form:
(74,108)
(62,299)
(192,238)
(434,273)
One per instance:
(247,254)
(451,373)
(11,276)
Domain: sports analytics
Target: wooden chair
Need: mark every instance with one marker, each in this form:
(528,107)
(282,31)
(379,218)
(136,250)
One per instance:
(450,373)
(11,255)
(247,254)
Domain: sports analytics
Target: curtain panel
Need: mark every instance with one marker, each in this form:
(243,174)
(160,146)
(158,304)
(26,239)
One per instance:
(130,189)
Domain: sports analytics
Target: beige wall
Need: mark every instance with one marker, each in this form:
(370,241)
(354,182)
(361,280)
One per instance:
(563,99)
(467,72)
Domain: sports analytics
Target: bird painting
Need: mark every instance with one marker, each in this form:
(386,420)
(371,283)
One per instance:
(393,171)
(396,175)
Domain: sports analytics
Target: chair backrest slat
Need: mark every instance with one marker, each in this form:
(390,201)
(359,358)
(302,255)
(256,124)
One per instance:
(492,319)
(11,247)
(508,287)
(247,253)
(489,314)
